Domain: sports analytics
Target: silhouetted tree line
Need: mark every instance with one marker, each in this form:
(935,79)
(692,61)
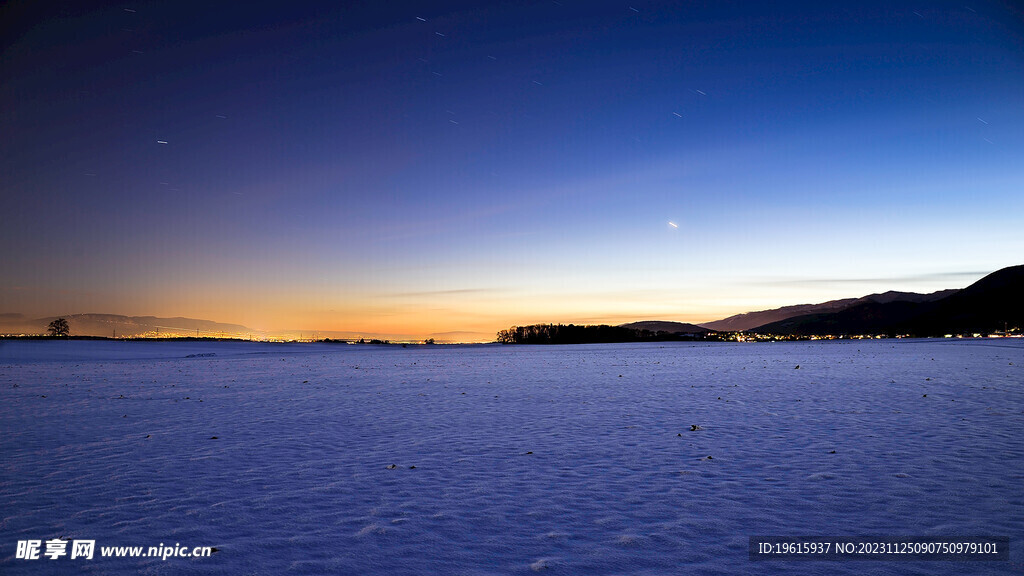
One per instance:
(573,334)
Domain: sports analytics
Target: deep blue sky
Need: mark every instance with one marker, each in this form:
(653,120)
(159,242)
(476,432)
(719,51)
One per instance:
(413,169)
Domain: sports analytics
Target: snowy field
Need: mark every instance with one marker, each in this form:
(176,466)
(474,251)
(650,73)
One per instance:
(364,460)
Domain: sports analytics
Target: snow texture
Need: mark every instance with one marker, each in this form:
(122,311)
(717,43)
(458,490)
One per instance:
(595,459)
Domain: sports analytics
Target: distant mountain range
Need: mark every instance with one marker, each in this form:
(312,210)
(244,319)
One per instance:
(124,326)
(116,325)
(746,321)
(990,304)
(670,327)
(987,306)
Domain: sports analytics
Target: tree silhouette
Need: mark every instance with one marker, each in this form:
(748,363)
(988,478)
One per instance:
(573,334)
(59,327)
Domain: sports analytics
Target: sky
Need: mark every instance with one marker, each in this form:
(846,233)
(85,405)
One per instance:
(448,168)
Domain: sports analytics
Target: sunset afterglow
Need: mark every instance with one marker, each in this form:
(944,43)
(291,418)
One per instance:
(403,171)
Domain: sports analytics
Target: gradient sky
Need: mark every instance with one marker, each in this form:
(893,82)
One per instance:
(421,168)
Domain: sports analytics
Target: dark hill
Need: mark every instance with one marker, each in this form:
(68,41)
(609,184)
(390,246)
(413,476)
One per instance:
(750,320)
(867,318)
(111,324)
(995,301)
(985,307)
(665,326)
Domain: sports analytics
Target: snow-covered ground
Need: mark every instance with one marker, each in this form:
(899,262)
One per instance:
(334,459)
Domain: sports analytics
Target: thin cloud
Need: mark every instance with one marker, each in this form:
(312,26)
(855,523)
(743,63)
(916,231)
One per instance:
(454,292)
(932,277)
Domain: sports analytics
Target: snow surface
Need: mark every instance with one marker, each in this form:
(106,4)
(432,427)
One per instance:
(558,459)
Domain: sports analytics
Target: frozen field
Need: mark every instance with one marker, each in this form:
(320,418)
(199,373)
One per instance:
(333,459)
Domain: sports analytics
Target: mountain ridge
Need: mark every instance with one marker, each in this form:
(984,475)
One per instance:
(991,304)
(749,320)
(666,326)
(92,324)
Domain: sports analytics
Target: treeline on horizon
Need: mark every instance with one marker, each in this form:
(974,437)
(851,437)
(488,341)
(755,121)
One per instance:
(596,334)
